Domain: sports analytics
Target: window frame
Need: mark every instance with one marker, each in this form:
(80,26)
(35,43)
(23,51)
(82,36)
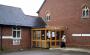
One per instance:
(16,40)
(47,17)
(16,30)
(84,12)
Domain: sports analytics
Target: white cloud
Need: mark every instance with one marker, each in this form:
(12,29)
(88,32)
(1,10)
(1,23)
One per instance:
(29,7)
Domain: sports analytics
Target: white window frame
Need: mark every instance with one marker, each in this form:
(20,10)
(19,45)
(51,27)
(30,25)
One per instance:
(16,40)
(85,8)
(16,33)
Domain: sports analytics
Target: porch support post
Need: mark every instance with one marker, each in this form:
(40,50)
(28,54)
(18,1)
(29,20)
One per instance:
(60,39)
(50,40)
(40,38)
(45,38)
(31,38)
(36,38)
(55,39)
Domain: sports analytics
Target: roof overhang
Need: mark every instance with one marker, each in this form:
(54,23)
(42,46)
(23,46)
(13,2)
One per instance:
(53,28)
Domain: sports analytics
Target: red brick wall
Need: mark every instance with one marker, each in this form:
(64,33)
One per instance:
(68,13)
(25,39)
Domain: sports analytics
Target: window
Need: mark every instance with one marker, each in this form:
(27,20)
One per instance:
(47,17)
(85,11)
(16,33)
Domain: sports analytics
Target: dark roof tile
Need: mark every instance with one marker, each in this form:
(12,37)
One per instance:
(15,16)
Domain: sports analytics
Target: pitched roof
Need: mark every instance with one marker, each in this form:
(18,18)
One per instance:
(15,16)
(35,21)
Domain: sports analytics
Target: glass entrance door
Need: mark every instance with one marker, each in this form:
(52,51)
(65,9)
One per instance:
(55,39)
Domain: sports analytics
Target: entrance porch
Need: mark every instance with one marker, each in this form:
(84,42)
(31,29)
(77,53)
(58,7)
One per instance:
(47,37)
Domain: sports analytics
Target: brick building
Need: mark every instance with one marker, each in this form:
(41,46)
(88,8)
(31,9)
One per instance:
(70,18)
(15,28)
(73,15)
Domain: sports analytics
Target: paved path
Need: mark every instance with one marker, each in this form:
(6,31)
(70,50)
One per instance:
(46,52)
(72,49)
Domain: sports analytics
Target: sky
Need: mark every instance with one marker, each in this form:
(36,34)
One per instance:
(29,7)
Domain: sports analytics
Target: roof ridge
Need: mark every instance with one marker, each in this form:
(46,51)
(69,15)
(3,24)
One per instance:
(9,6)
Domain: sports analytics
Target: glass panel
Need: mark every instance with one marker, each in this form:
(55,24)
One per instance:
(87,13)
(34,35)
(43,35)
(43,44)
(14,28)
(18,34)
(48,44)
(18,28)
(14,34)
(83,13)
(53,35)
(48,18)
(58,36)
(57,44)
(34,44)
(38,33)
(38,44)
(53,44)
(48,34)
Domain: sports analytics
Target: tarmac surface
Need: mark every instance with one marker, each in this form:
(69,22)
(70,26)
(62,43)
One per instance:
(39,51)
